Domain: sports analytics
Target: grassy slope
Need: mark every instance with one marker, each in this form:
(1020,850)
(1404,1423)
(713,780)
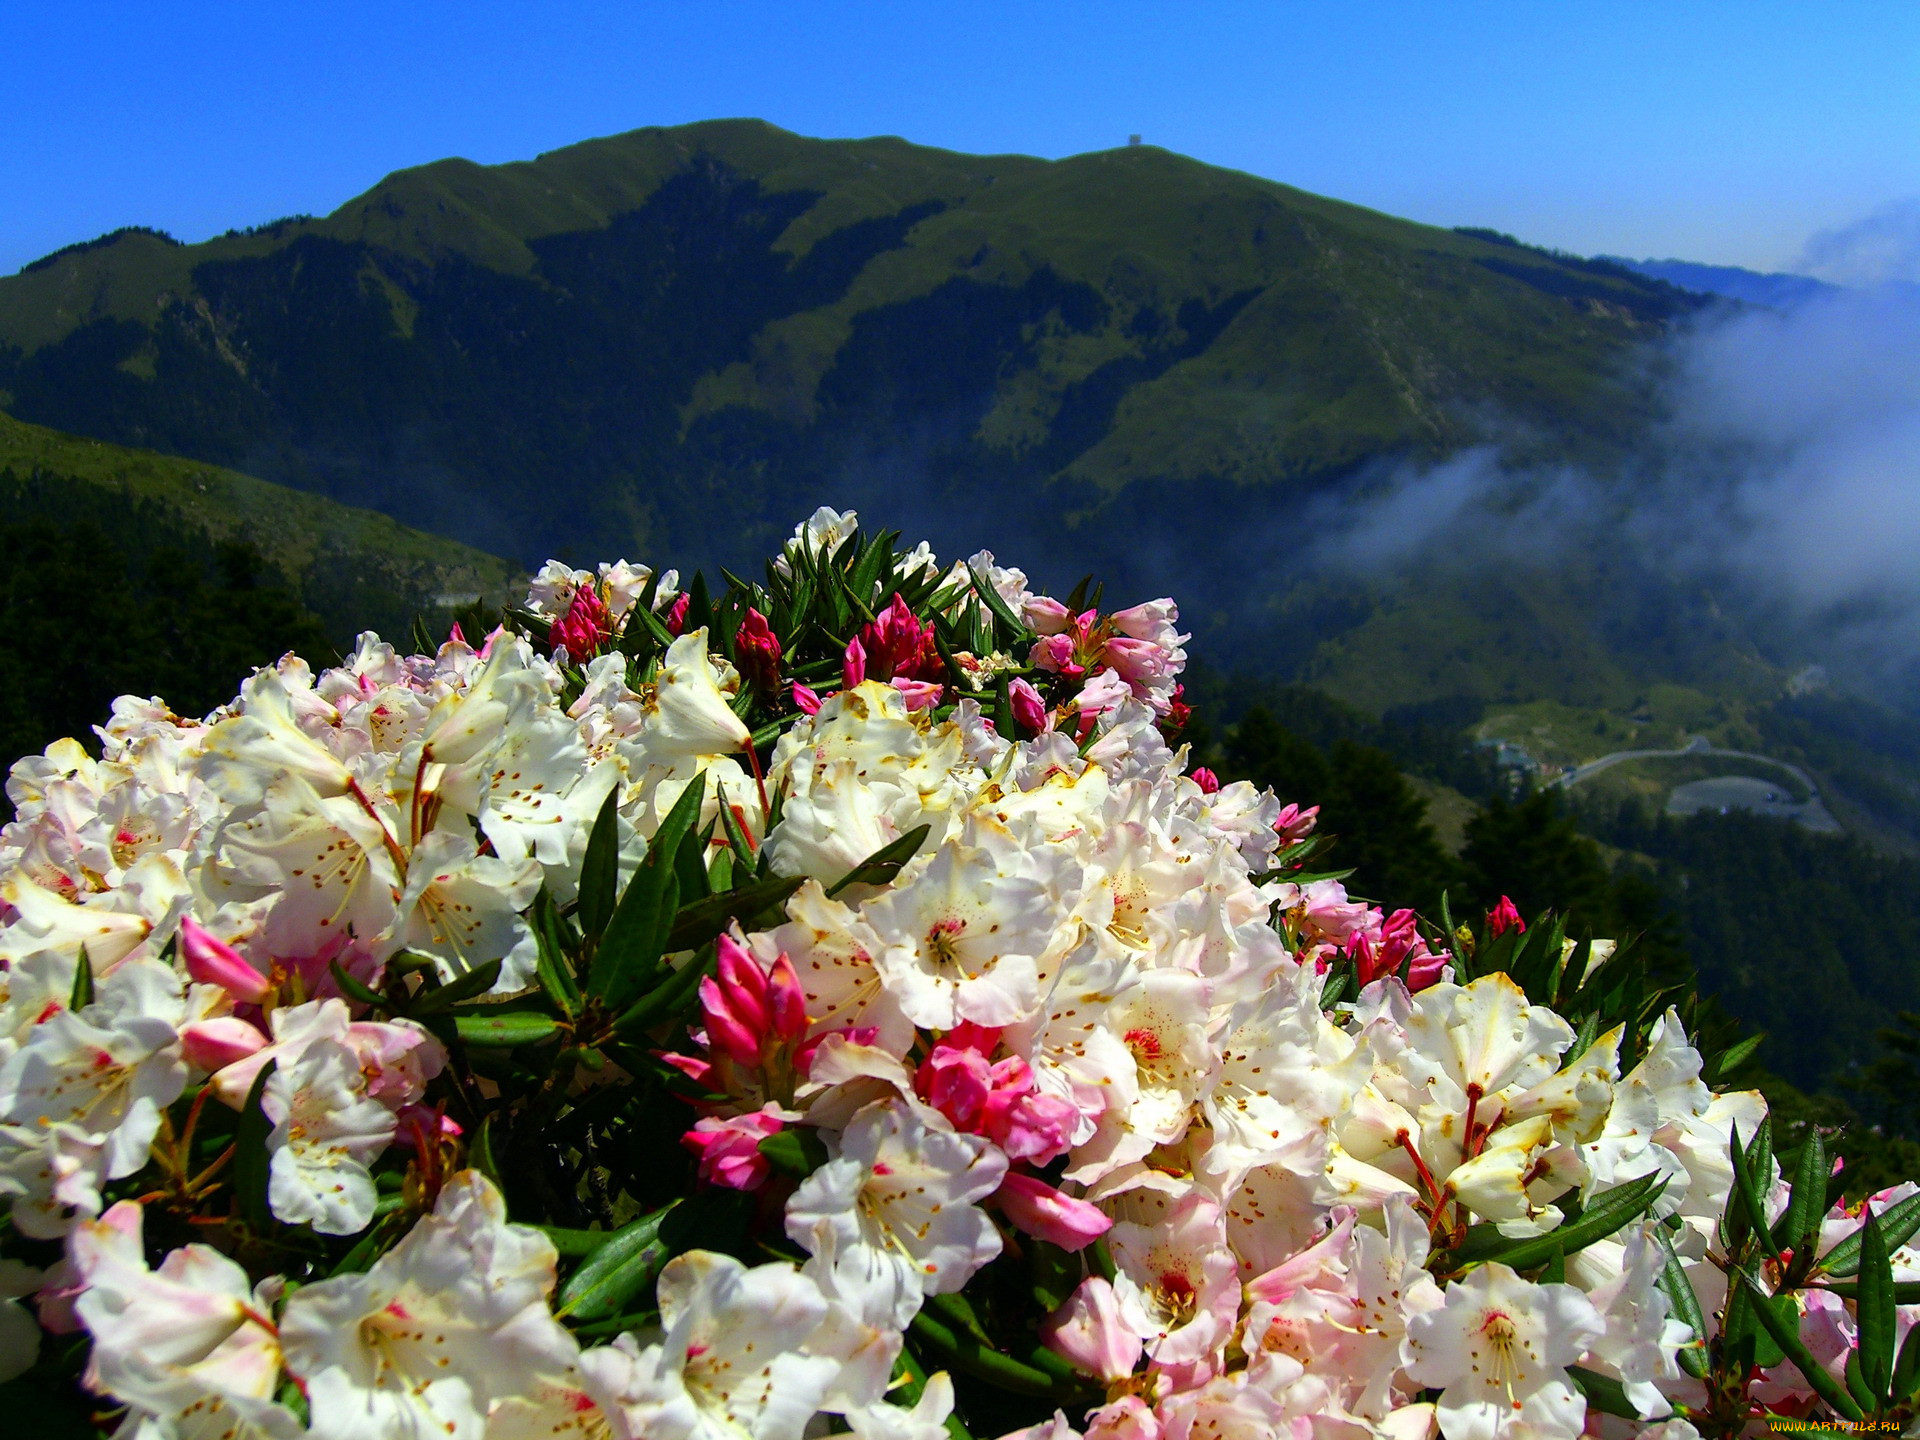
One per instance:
(1364,333)
(300,535)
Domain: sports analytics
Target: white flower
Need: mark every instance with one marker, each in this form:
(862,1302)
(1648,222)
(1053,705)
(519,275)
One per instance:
(903,1185)
(683,712)
(191,1342)
(80,1100)
(961,932)
(732,1361)
(326,1132)
(927,1420)
(464,909)
(1641,1339)
(820,533)
(450,1320)
(1178,1284)
(1498,1350)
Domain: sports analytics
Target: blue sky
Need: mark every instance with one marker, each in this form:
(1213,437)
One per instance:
(1711,131)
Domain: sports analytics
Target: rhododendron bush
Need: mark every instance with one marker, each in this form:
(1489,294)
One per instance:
(831,1005)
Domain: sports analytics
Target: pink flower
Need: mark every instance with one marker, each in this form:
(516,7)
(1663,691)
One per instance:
(896,644)
(1208,782)
(729,1149)
(214,962)
(215,1044)
(1055,653)
(1046,615)
(1028,708)
(1294,824)
(749,1011)
(919,694)
(1088,1333)
(1397,945)
(853,668)
(1038,1209)
(1504,917)
(757,652)
(585,627)
(397,1059)
(806,699)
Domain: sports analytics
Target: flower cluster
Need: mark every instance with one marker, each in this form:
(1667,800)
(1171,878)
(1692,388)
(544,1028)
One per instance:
(875,909)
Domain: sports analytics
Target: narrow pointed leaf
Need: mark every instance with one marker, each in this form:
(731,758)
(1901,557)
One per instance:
(1686,1307)
(1906,1370)
(1896,1228)
(354,989)
(618,1270)
(1611,1210)
(461,987)
(250,1159)
(885,863)
(1801,1222)
(600,870)
(1787,1337)
(520,1027)
(82,995)
(636,937)
(694,925)
(667,998)
(1753,1210)
(1875,1309)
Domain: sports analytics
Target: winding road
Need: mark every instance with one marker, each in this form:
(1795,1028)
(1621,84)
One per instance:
(1813,814)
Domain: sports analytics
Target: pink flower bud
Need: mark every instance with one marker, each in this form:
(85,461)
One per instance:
(215,1044)
(757,652)
(919,694)
(1055,653)
(1088,1333)
(729,1149)
(786,1000)
(1208,782)
(585,627)
(745,985)
(214,962)
(1028,708)
(1045,1213)
(853,669)
(1504,917)
(677,614)
(725,1033)
(806,699)
(1030,1126)
(1295,824)
(1046,615)
(957,1083)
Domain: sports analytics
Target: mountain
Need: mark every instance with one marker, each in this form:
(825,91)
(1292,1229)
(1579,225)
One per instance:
(1775,290)
(354,569)
(673,339)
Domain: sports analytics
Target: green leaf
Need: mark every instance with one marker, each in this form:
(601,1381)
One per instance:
(1603,1392)
(1801,1223)
(574,1244)
(1730,1059)
(881,866)
(964,1352)
(515,1027)
(600,870)
(1686,1307)
(630,1259)
(1753,1210)
(694,925)
(250,1158)
(354,989)
(797,1151)
(1874,1309)
(990,598)
(552,968)
(462,987)
(1906,1370)
(1610,1211)
(667,997)
(82,995)
(1857,1386)
(1896,1227)
(636,937)
(1786,1335)
(481,1155)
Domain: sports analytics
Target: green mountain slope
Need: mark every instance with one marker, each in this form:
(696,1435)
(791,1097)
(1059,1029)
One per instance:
(604,347)
(354,569)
